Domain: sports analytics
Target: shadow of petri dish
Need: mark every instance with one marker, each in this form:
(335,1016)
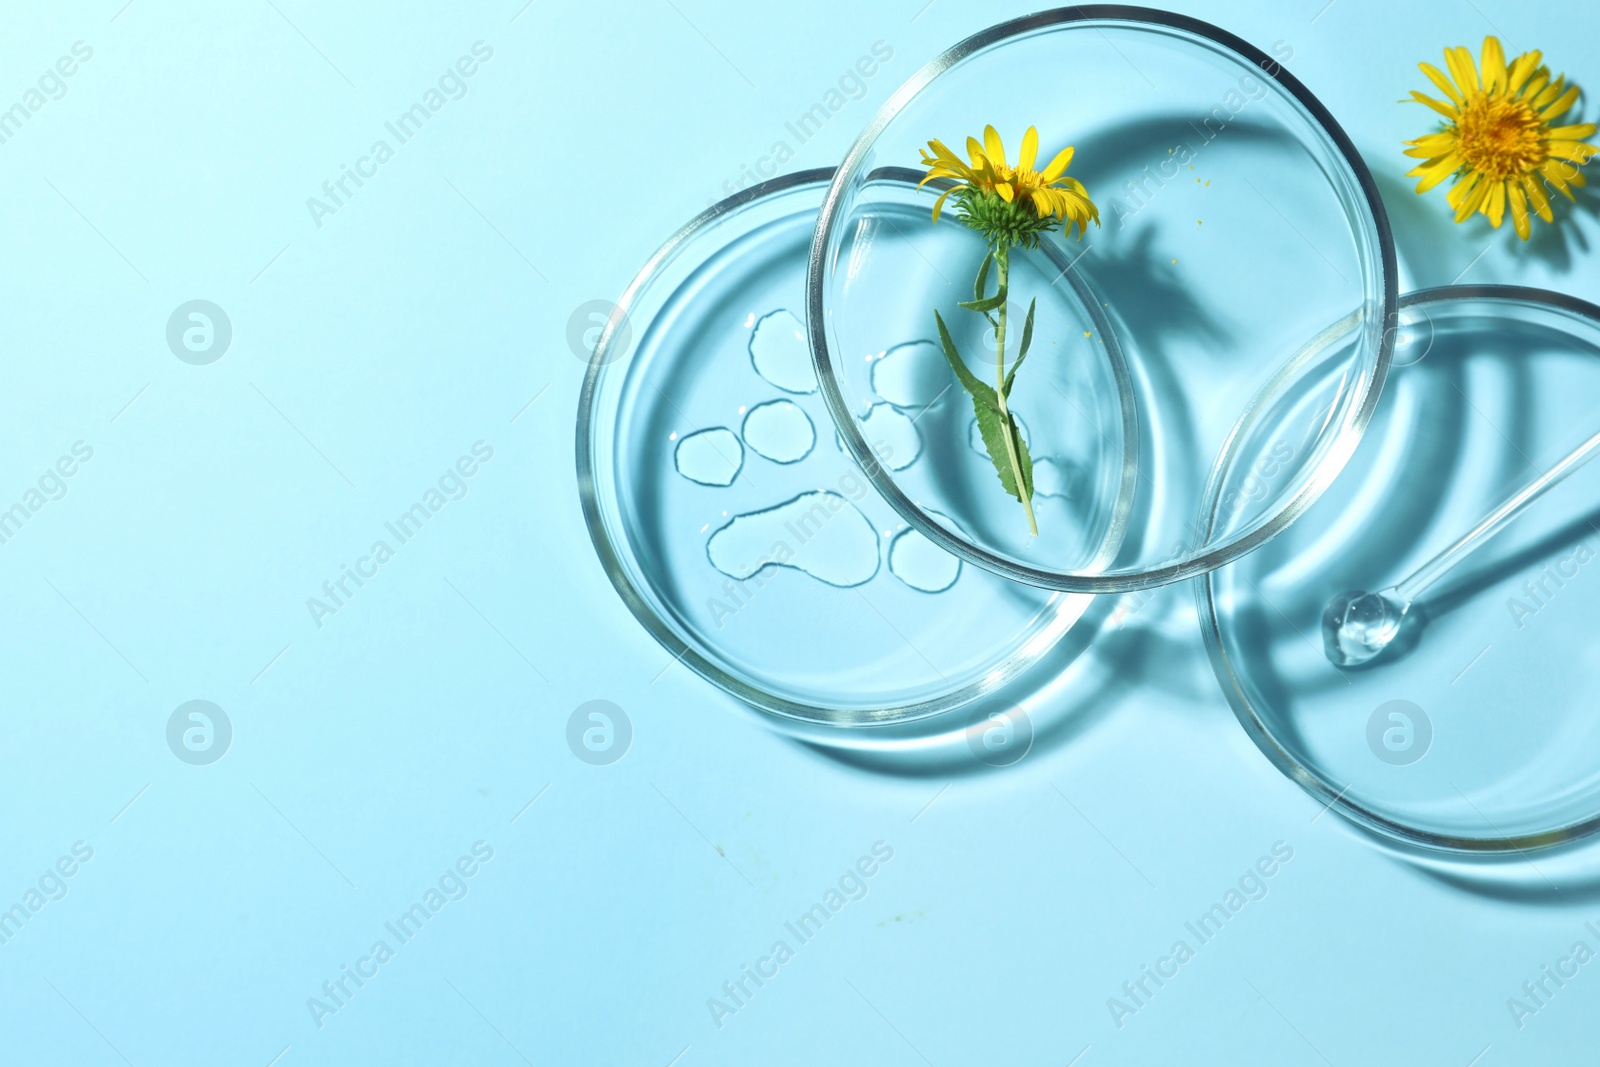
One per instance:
(1481,737)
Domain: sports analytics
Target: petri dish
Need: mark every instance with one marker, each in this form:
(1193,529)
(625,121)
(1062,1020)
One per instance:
(1237,222)
(735,527)
(1475,731)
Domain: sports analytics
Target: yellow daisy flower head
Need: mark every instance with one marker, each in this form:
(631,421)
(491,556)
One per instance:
(1013,205)
(1499,137)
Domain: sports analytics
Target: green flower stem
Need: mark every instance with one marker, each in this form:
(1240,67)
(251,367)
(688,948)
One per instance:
(1002,257)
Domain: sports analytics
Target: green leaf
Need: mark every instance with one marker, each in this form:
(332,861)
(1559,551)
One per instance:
(982,395)
(979,302)
(978,287)
(994,442)
(985,305)
(1022,354)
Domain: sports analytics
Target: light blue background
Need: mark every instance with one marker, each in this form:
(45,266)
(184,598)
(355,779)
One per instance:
(430,313)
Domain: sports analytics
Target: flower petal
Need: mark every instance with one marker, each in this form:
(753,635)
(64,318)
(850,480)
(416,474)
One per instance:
(1463,69)
(1434,173)
(1519,211)
(1438,105)
(942,151)
(1463,188)
(1521,68)
(1030,149)
(1429,153)
(1496,207)
(1058,166)
(992,146)
(1576,151)
(1559,172)
(1440,142)
(1549,94)
(1572,133)
(1536,197)
(1438,78)
(1494,64)
(1472,198)
(1561,105)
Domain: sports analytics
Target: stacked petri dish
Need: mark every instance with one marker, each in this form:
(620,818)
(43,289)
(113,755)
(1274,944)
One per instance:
(790,489)
(1237,224)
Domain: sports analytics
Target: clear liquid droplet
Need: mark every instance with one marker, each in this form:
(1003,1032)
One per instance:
(892,435)
(818,533)
(780,431)
(1357,627)
(911,375)
(920,563)
(1052,477)
(710,457)
(780,354)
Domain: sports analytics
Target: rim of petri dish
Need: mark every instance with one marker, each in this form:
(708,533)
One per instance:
(1296,770)
(595,478)
(1340,446)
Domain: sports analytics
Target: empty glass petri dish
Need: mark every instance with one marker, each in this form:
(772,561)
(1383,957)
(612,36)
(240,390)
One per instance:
(1237,222)
(1474,728)
(737,529)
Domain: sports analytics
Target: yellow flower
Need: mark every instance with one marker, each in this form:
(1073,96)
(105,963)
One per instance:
(1498,138)
(1050,192)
